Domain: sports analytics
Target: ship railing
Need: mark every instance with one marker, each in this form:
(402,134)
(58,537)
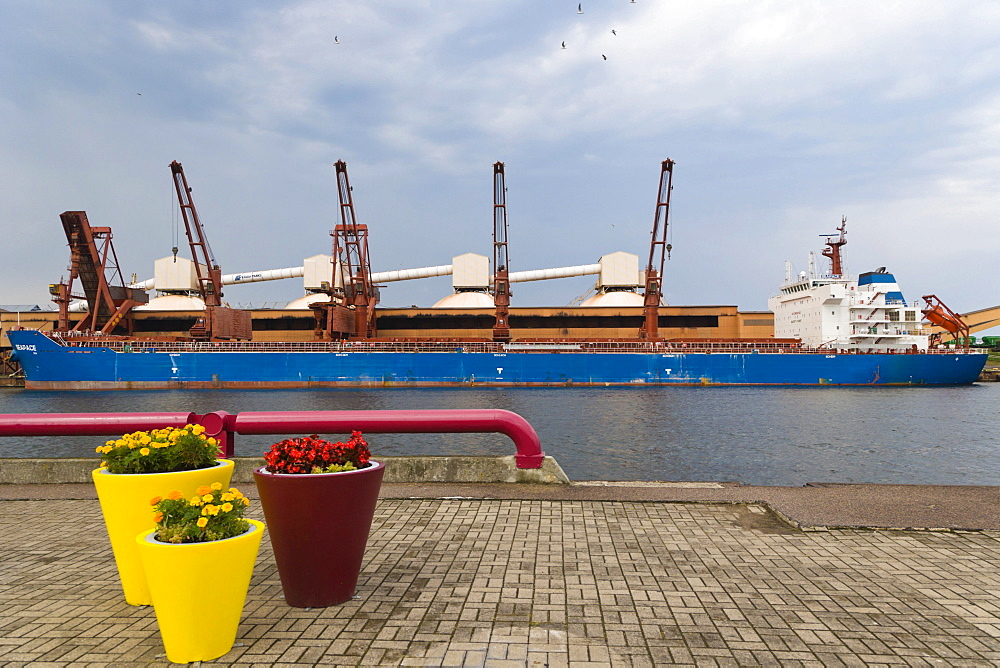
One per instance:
(671,347)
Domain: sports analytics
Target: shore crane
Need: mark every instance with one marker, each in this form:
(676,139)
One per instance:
(501,269)
(350,313)
(937,313)
(220,323)
(658,251)
(94,262)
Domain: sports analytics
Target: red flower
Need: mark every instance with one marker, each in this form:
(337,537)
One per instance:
(300,455)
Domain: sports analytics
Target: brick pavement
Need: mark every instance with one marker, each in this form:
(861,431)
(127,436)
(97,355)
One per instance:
(462,582)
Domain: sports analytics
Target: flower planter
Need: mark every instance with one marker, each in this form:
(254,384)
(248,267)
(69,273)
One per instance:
(318,525)
(125,504)
(198,590)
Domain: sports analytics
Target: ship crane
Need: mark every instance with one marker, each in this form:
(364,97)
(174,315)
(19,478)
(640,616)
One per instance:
(92,261)
(350,313)
(220,323)
(658,250)
(501,278)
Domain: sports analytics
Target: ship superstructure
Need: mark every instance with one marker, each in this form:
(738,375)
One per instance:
(834,312)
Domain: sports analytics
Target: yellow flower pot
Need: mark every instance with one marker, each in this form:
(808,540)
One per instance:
(125,504)
(198,591)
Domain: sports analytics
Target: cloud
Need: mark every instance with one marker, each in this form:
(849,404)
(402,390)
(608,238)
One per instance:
(782,116)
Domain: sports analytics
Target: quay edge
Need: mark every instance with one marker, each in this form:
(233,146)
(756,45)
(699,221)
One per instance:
(27,471)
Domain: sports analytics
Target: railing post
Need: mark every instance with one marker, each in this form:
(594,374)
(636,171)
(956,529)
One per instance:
(219,425)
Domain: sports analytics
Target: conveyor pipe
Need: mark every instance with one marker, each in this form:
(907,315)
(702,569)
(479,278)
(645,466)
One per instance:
(266,275)
(558,272)
(410,274)
(395,275)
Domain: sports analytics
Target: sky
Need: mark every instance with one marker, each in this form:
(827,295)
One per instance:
(782,117)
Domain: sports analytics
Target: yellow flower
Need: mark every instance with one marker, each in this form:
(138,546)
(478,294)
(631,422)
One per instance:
(246,501)
(99,449)
(207,498)
(212,441)
(202,521)
(196,501)
(216,485)
(109,443)
(198,429)
(120,442)
(144,452)
(226,507)
(226,496)
(234,491)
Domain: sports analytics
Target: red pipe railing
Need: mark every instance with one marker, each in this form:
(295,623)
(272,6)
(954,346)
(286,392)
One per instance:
(88,424)
(223,426)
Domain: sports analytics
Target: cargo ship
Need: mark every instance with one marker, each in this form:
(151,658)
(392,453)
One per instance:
(829,330)
(51,362)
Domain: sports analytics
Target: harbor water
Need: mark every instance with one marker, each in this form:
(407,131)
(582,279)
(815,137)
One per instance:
(756,436)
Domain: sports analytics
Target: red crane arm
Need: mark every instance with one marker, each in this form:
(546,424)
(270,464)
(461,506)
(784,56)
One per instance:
(350,250)
(937,313)
(658,248)
(501,269)
(209,273)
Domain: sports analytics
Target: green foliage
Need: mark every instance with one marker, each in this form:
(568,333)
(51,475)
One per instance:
(212,514)
(335,468)
(160,451)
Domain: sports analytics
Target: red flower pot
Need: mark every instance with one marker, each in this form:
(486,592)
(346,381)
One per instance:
(318,524)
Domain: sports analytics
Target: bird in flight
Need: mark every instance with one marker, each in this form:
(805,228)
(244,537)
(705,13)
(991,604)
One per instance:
(579,8)
(336,39)
(564,45)
(604,57)
(613,32)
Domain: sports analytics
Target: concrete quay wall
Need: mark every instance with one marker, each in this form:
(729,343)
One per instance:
(24,471)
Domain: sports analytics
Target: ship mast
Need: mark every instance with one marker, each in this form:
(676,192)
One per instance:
(833,249)
(658,250)
(501,278)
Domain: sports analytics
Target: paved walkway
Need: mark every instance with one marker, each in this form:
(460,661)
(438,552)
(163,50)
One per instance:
(541,582)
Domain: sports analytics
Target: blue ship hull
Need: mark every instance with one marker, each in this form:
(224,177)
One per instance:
(49,365)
